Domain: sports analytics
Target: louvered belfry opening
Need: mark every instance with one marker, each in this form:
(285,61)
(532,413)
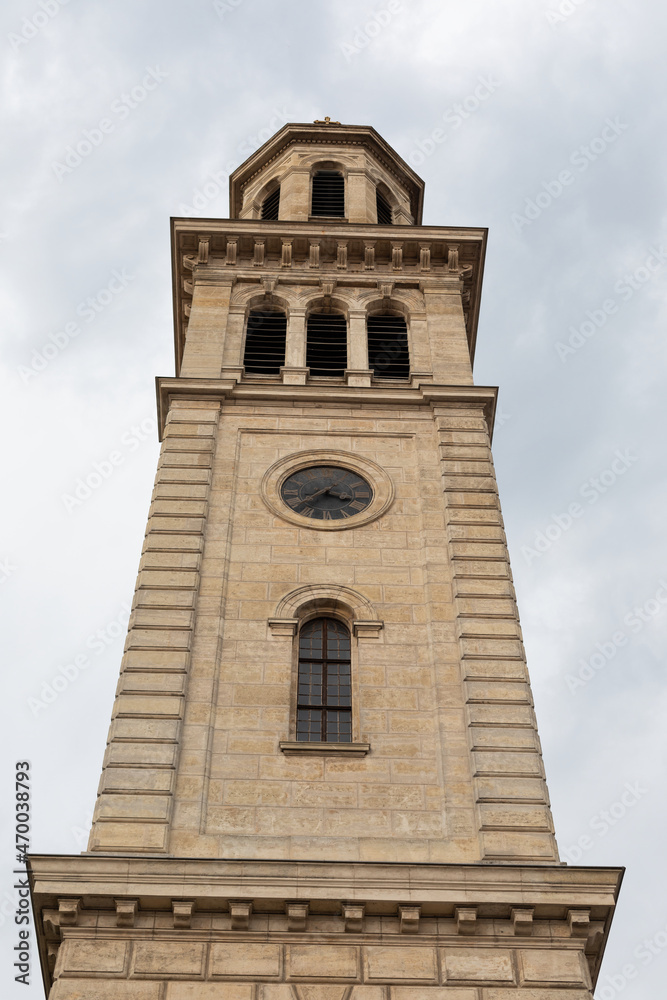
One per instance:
(265,342)
(324,709)
(326,344)
(383,209)
(270,205)
(328,194)
(388,353)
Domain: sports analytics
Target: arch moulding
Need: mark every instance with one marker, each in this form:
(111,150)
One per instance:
(292,609)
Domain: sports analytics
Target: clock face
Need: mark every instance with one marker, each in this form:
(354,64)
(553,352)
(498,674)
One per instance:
(326,493)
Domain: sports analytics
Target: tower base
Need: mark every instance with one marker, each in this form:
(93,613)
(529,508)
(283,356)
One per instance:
(142,928)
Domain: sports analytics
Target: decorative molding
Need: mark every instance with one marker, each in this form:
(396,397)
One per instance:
(240,911)
(425,257)
(353,915)
(522,921)
(183,910)
(386,289)
(397,256)
(296,748)
(409,919)
(341,254)
(314,253)
(453,256)
(286,253)
(283,626)
(126,912)
(232,247)
(323,595)
(579,922)
(258,253)
(466,919)
(367,629)
(68,912)
(369,255)
(297,915)
(202,254)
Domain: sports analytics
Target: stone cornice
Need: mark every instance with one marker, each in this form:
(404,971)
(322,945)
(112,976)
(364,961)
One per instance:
(334,134)
(426,394)
(470,901)
(224,250)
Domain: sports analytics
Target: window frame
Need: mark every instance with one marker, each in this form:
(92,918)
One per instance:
(325,660)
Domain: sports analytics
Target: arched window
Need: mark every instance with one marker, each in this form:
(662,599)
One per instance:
(270,205)
(328,194)
(383,209)
(324,695)
(388,353)
(265,342)
(326,344)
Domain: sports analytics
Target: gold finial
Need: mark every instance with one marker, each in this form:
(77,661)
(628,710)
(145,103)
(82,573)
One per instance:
(327,121)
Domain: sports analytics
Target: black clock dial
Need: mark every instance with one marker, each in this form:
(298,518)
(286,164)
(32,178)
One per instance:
(326,493)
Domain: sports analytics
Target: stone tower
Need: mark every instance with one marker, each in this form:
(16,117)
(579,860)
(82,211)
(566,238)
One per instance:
(323,779)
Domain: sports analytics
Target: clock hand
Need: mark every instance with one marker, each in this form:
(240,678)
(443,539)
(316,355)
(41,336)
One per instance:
(341,496)
(313,495)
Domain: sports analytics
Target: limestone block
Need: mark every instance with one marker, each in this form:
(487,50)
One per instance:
(305,962)
(127,836)
(397,965)
(169,958)
(101,957)
(98,989)
(542,967)
(477,965)
(211,991)
(245,961)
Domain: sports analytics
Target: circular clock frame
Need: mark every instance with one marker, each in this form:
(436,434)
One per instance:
(380,483)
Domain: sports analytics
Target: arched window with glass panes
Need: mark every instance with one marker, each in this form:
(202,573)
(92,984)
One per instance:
(266,332)
(324,687)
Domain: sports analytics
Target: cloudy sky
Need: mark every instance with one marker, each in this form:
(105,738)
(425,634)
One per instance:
(541,119)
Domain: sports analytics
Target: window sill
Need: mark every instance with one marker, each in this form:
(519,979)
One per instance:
(303,748)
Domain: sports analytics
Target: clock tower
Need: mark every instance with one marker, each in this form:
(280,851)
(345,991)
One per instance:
(323,778)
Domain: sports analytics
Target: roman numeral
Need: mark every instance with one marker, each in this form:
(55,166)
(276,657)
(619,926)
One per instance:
(307,511)
(294,501)
(359,482)
(361,493)
(326,515)
(357,505)
(291,493)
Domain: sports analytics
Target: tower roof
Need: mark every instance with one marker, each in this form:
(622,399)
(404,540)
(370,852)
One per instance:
(335,134)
